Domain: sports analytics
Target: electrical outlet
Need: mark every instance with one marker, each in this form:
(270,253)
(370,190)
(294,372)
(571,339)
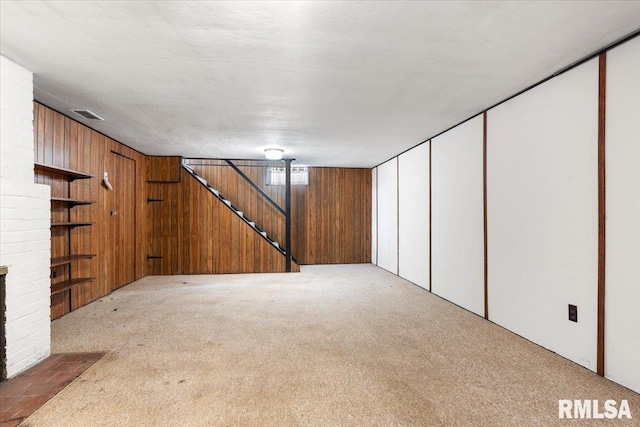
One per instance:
(573,313)
(54,273)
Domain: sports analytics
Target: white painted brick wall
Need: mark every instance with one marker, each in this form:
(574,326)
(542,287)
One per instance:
(25,239)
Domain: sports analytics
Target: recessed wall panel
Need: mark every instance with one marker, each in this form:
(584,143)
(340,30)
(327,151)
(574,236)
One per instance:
(388,215)
(622,296)
(374,216)
(413,211)
(542,203)
(458,216)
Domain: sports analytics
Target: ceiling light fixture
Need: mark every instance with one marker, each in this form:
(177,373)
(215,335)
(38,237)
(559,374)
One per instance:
(273,153)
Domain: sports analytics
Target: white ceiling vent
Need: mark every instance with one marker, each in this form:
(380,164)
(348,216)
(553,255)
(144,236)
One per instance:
(88,114)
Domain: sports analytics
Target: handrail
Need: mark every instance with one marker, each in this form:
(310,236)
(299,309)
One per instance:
(286,212)
(256,187)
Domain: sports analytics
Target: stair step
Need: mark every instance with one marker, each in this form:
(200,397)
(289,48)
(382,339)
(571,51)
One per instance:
(228,203)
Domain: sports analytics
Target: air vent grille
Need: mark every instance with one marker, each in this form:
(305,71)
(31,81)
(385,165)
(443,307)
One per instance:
(89,115)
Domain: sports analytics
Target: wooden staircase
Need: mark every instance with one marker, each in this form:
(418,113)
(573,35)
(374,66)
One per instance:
(216,193)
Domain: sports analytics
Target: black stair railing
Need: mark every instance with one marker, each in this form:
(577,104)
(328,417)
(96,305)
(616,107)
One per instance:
(255,186)
(286,212)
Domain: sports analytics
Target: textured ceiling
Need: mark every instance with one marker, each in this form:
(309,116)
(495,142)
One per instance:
(333,83)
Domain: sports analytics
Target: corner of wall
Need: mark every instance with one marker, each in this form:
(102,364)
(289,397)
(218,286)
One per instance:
(25,240)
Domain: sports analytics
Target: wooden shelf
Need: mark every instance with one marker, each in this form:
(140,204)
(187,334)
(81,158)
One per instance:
(62,201)
(68,284)
(71,202)
(63,260)
(68,174)
(70,224)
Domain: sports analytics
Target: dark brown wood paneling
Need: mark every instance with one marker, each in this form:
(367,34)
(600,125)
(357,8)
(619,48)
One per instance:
(163,168)
(332,217)
(162,225)
(63,142)
(195,232)
(214,240)
(244,197)
(120,220)
(602,211)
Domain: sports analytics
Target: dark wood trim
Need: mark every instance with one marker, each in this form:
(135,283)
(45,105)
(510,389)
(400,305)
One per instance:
(602,102)
(430,213)
(122,155)
(486,234)
(398,215)
(137,268)
(377,215)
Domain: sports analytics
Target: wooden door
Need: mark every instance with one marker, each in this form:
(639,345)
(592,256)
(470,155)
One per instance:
(121,202)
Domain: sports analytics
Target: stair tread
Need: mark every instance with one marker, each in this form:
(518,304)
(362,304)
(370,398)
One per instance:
(237,211)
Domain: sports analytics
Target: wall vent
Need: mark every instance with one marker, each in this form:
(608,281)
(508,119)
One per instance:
(88,114)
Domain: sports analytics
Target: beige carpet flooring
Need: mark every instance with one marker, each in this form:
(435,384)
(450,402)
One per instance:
(331,346)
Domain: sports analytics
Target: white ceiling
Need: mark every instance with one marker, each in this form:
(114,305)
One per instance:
(333,83)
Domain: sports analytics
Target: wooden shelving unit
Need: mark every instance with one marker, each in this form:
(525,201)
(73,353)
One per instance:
(68,284)
(67,203)
(67,174)
(70,202)
(68,259)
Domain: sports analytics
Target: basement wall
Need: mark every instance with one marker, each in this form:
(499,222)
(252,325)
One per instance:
(118,216)
(542,220)
(622,313)
(330,217)
(457,223)
(413,202)
(387,213)
(24,225)
(542,207)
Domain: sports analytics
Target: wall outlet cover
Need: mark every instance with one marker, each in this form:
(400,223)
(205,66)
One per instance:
(573,313)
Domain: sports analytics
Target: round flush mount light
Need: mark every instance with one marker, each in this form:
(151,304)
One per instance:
(273,153)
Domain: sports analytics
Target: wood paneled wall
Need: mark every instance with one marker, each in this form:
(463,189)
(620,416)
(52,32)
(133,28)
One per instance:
(213,239)
(163,168)
(243,196)
(190,229)
(163,203)
(60,141)
(162,228)
(331,217)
